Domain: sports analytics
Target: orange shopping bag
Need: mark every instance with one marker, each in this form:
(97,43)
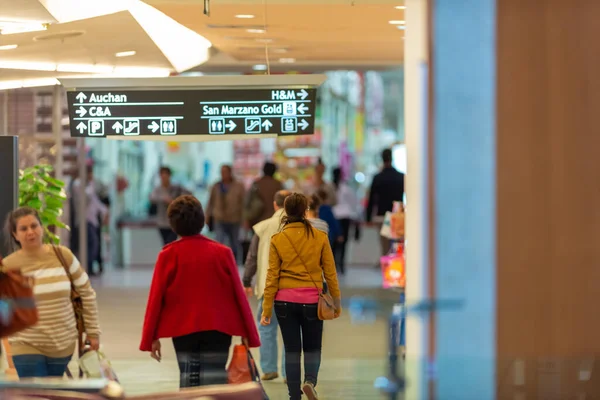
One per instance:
(241,365)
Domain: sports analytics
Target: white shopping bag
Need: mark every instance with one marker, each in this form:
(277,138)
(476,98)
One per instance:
(95,365)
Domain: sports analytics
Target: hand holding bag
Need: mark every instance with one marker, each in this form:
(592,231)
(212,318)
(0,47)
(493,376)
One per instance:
(77,309)
(326,307)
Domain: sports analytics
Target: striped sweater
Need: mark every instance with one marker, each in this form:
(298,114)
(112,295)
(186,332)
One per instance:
(55,334)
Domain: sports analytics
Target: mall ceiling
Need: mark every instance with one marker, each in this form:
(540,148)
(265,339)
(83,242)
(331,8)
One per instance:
(311,33)
(297,35)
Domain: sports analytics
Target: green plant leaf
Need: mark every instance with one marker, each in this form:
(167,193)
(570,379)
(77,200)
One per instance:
(35,203)
(53,181)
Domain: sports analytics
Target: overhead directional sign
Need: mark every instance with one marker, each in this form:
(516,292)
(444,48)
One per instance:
(101,113)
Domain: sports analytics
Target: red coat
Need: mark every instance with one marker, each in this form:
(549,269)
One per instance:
(196,287)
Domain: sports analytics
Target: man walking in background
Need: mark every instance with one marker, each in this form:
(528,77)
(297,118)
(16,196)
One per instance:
(257,263)
(387,187)
(259,201)
(225,210)
(160,198)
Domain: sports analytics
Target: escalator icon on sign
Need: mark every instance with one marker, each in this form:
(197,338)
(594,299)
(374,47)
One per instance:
(168,126)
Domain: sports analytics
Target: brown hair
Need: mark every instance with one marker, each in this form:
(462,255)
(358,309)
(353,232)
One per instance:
(295,206)
(186,216)
(10,226)
(280,197)
(314,202)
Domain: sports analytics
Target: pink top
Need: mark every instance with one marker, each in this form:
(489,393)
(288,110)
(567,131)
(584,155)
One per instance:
(307,295)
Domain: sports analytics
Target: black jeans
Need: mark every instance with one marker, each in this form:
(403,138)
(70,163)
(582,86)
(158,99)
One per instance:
(339,249)
(202,357)
(302,331)
(167,235)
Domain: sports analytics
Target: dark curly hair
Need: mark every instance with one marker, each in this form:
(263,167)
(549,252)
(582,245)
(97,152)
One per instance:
(295,206)
(186,216)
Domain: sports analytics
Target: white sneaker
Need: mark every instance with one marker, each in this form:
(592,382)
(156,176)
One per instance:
(310,392)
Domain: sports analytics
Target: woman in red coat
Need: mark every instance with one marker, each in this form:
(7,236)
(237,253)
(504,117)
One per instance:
(197,299)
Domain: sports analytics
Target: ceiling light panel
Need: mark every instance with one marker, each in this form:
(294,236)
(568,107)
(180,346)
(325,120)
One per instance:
(244,16)
(125,54)
(8,47)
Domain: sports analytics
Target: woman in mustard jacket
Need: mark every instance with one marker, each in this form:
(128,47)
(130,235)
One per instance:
(300,257)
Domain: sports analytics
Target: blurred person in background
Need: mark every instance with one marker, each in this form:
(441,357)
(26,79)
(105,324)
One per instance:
(312,214)
(259,200)
(318,183)
(45,349)
(387,187)
(196,298)
(346,212)
(96,215)
(257,263)
(225,210)
(160,199)
(325,213)
(300,257)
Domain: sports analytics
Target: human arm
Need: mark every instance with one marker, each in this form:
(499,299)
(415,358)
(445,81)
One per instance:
(210,203)
(155,196)
(272,285)
(241,299)
(371,203)
(164,265)
(81,283)
(330,274)
(250,266)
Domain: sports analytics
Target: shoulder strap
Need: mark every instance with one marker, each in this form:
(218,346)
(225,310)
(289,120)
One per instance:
(300,257)
(62,260)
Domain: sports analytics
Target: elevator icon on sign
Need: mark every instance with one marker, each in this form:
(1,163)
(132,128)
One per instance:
(289,125)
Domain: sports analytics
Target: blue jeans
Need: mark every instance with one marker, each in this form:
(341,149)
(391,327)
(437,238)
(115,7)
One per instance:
(230,232)
(38,366)
(269,347)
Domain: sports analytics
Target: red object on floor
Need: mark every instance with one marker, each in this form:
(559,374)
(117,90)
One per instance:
(197,287)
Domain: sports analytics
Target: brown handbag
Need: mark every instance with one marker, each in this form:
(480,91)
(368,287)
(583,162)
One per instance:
(18,311)
(326,306)
(77,309)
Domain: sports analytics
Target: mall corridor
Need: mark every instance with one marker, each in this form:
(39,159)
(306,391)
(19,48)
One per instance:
(353,355)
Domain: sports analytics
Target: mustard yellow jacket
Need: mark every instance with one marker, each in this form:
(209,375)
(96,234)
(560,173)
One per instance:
(286,267)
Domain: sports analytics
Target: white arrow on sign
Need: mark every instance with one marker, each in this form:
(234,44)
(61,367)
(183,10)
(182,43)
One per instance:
(231,126)
(81,97)
(81,111)
(81,127)
(267,125)
(302,108)
(153,126)
(303,94)
(117,127)
(303,124)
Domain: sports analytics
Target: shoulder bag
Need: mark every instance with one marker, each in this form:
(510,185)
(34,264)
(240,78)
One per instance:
(77,308)
(325,307)
(17,302)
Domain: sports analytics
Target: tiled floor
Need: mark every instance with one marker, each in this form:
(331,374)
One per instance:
(354,355)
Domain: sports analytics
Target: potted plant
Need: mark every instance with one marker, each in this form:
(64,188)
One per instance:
(38,189)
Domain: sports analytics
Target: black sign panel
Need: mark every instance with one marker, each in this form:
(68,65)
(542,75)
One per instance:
(186,112)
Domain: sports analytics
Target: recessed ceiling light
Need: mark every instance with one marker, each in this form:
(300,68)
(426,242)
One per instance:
(401,27)
(280,50)
(125,53)
(255,30)
(400,7)
(397,22)
(266,40)
(287,60)
(260,67)
(244,16)
(9,47)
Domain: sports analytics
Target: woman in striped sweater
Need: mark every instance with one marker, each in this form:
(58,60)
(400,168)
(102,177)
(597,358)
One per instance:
(45,349)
